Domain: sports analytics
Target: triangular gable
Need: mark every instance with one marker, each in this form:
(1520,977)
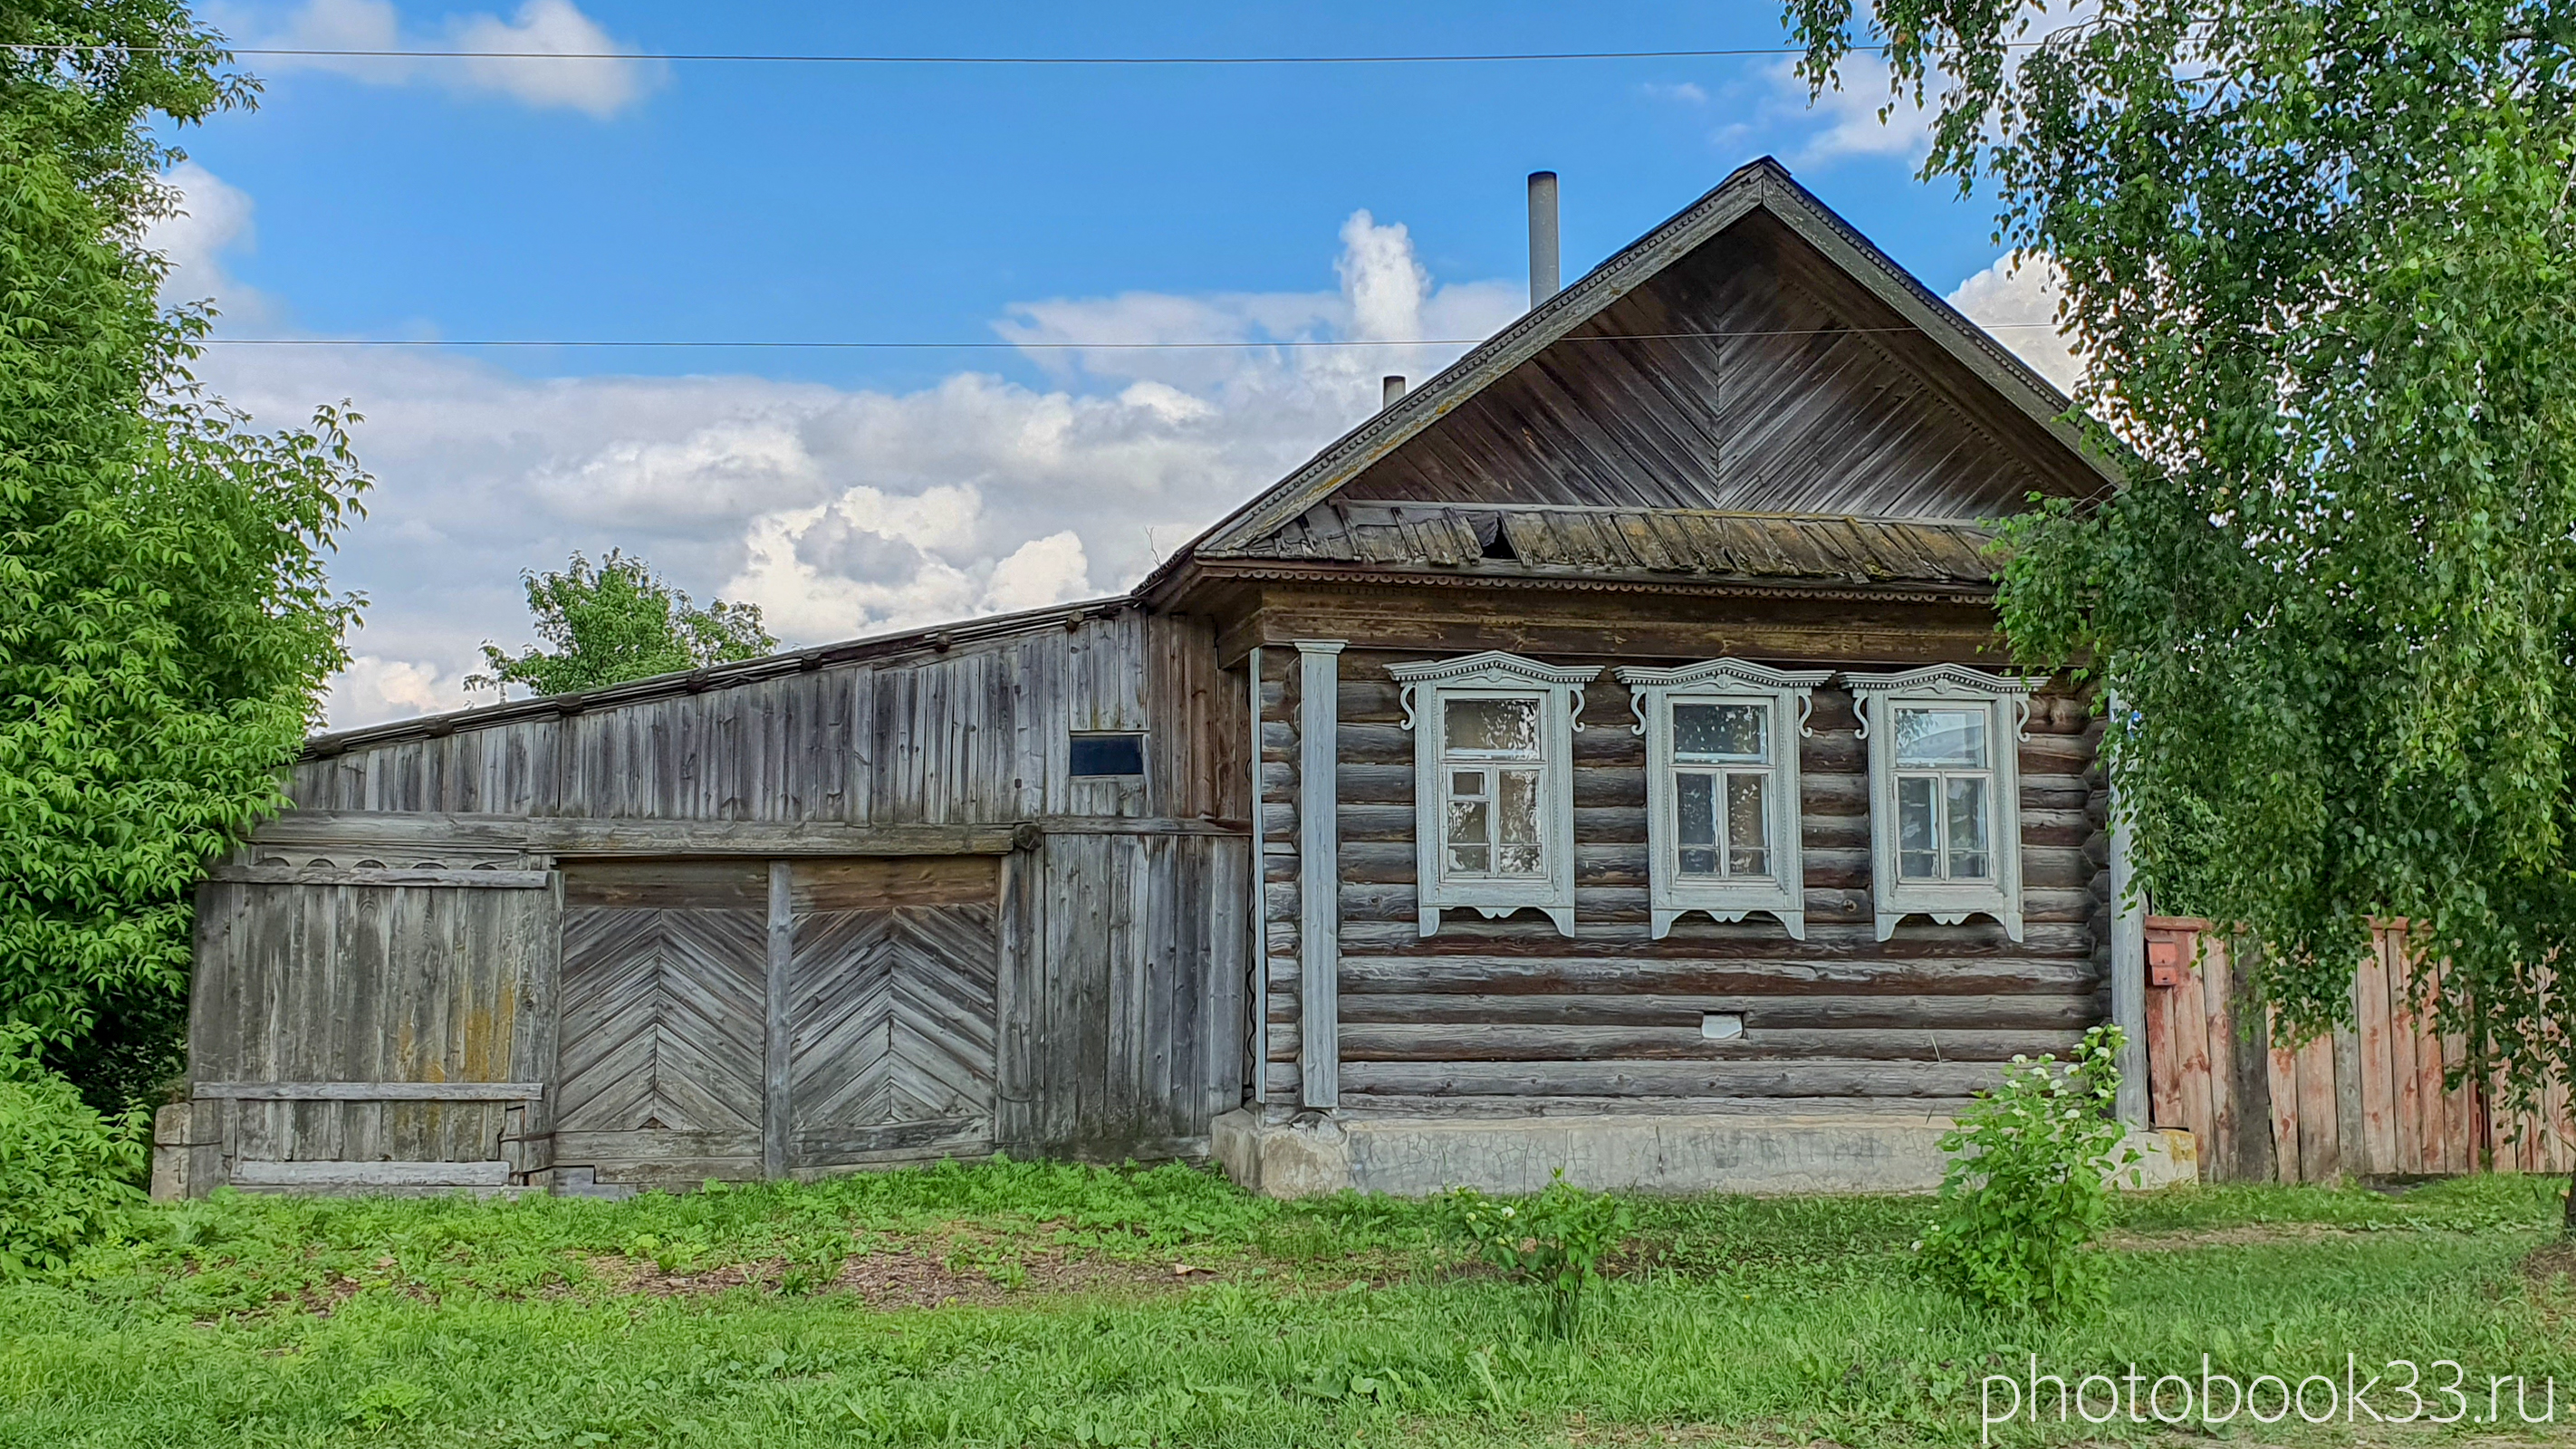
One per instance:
(1760,355)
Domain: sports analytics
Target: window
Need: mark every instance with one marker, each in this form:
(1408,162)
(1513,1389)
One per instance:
(1493,786)
(1722,789)
(1945,793)
(1106,754)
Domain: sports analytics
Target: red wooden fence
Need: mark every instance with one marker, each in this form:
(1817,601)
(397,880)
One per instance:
(2367,1100)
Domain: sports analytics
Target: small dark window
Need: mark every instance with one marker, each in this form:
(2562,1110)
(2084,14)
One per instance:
(1108,755)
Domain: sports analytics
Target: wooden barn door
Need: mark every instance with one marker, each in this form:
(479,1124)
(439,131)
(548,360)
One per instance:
(734,1017)
(665,1018)
(892,1009)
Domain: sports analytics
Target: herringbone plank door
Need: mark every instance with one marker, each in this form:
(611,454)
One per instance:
(663,1031)
(892,1018)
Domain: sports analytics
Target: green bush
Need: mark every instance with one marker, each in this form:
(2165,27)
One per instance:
(2029,1185)
(1556,1239)
(68,1173)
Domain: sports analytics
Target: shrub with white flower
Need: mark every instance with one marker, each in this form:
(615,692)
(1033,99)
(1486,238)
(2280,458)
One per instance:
(2029,1185)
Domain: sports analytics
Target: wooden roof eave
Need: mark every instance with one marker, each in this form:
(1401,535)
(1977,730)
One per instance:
(1576,580)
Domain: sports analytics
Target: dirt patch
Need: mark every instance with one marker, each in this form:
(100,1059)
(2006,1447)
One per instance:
(2243,1235)
(2552,1264)
(892,1278)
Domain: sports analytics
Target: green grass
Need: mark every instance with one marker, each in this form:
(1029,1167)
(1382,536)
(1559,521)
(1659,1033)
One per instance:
(270,1321)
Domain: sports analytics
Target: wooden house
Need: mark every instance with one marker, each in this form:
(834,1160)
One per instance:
(1601,758)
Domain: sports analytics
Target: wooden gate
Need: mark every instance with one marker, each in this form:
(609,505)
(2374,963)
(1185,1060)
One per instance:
(739,1018)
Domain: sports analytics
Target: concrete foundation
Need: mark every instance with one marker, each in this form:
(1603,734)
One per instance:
(1309,1154)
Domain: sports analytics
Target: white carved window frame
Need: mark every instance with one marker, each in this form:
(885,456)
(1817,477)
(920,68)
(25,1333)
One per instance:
(1788,695)
(2006,700)
(1428,687)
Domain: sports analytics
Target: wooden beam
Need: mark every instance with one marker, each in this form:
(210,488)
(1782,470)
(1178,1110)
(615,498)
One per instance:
(432,830)
(1319,878)
(490,880)
(368,1091)
(1259,1050)
(371,1174)
(774,1057)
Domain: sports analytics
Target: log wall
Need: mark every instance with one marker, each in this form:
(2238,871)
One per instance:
(1510,1016)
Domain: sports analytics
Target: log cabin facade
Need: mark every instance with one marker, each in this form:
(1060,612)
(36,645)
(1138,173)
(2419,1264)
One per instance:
(1601,759)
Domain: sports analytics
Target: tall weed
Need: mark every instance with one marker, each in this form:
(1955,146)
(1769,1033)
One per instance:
(1556,1239)
(2030,1185)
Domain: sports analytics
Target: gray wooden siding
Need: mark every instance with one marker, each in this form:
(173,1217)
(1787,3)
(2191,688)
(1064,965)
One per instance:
(1509,1015)
(1088,1002)
(342,984)
(976,735)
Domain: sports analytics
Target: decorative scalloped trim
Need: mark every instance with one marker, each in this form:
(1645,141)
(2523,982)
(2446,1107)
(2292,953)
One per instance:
(1712,671)
(1526,670)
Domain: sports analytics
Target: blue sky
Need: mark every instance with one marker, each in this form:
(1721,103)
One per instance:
(848,492)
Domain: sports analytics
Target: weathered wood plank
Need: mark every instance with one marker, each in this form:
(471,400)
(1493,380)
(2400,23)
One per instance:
(368,1091)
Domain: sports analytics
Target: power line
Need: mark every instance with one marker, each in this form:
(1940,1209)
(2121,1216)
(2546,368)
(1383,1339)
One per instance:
(998,346)
(755,57)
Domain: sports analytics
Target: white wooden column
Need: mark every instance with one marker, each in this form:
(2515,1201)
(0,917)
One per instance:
(1258,1028)
(1319,871)
(2128,953)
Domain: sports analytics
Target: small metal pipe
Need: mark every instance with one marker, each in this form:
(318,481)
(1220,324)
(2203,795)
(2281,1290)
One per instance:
(1542,236)
(1390,390)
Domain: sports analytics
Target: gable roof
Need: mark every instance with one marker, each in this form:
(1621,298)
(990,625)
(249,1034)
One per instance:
(1761,188)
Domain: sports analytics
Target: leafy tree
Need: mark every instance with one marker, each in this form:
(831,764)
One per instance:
(617,621)
(2319,255)
(165,623)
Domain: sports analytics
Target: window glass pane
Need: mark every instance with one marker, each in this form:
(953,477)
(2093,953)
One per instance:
(1104,754)
(1722,731)
(1516,808)
(1967,811)
(1470,859)
(1471,822)
(1748,825)
(1916,855)
(1941,737)
(1491,726)
(1516,824)
(1467,782)
(1695,813)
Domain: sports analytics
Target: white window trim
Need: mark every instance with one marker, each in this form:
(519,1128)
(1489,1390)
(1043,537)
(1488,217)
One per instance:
(1789,694)
(1494,673)
(2007,701)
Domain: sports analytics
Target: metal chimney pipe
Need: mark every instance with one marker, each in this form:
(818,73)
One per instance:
(1542,217)
(1390,390)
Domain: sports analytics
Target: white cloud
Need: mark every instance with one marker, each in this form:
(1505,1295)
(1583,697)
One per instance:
(1682,93)
(373,687)
(1849,113)
(212,217)
(842,512)
(607,78)
(2020,304)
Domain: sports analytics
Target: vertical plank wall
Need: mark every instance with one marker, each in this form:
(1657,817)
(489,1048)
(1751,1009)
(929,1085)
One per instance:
(1509,1016)
(1122,933)
(369,983)
(2372,1099)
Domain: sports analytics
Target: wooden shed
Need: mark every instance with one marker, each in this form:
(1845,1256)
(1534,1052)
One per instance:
(1601,758)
